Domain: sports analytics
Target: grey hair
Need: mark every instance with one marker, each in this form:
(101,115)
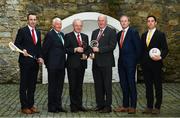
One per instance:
(55,20)
(105,17)
(75,20)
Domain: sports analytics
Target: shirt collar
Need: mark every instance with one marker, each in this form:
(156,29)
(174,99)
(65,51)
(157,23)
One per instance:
(76,33)
(103,29)
(126,29)
(153,30)
(30,27)
(56,31)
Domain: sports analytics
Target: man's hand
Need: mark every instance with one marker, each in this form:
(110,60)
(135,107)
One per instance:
(25,53)
(95,49)
(79,50)
(156,58)
(84,57)
(40,60)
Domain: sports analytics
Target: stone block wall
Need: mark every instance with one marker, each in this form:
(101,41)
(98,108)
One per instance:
(13,16)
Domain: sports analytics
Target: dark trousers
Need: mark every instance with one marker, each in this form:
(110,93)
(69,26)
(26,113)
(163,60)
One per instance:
(28,79)
(128,84)
(55,88)
(75,78)
(152,77)
(103,85)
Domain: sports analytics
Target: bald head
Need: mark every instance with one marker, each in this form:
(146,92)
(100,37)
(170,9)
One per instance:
(102,21)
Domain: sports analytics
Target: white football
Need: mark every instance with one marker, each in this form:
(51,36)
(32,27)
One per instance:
(154,51)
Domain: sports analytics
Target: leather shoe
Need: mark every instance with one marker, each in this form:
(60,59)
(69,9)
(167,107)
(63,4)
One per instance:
(106,110)
(98,108)
(82,109)
(26,111)
(61,110)
(34,110)
(121,109)
(147,111)
(131,111)
(156,111)
(52,109)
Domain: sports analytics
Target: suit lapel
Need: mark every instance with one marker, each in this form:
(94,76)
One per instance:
(57,37)
(29,37)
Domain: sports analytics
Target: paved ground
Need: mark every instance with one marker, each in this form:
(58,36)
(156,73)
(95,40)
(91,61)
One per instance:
(10,106)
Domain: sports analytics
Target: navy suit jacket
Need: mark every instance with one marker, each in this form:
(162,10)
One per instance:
(130,52)
(73,59)
(24,41)
(158,40)
(53,51)
(107,44)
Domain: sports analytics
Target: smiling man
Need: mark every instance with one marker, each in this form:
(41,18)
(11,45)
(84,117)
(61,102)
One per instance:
(28,39)
(151,67)
(129,54)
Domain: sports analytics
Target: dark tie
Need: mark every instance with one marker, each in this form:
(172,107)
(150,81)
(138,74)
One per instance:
(78,40)
(122,39)
(60,37)
(33,37)
(100,34)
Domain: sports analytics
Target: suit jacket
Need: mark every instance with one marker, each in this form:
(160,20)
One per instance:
(54,51)
(131,49)
(24,41)
(73,59)
(158,40)
(107,44)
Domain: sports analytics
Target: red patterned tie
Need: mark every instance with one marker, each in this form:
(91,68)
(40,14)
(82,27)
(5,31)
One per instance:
(122,39)
(33,37)
(100,34)
(78,40)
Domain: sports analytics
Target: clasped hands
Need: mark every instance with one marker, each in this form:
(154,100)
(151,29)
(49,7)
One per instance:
(81,50)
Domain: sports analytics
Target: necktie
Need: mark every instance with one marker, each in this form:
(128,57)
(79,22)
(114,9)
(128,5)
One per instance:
(78,40)
(61,38)
(148,38)
(122,39)
(100,34)
(33,37)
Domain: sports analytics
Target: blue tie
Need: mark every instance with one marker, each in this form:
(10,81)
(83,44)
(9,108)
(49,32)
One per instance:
(61,38)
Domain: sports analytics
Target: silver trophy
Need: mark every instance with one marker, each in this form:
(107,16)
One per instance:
(93,43)
(84,46)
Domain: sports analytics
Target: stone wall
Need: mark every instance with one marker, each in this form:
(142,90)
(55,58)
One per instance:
(13,16)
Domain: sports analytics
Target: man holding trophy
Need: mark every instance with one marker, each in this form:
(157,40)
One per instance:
(77,48)
(103,43)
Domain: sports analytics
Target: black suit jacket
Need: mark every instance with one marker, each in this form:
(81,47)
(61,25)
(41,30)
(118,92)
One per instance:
(107,44)
(158,40)
(73,59)
(24,41)
(131,49)
(54,51)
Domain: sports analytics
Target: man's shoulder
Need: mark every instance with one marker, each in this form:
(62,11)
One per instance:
(83,34)
(69,34)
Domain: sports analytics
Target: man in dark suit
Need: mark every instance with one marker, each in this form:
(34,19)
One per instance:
(77,52)
(129,54)
(151,67)
(54,59)
(28,39)
(102,64)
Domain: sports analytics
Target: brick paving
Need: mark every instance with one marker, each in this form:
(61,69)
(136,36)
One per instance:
(10,106)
